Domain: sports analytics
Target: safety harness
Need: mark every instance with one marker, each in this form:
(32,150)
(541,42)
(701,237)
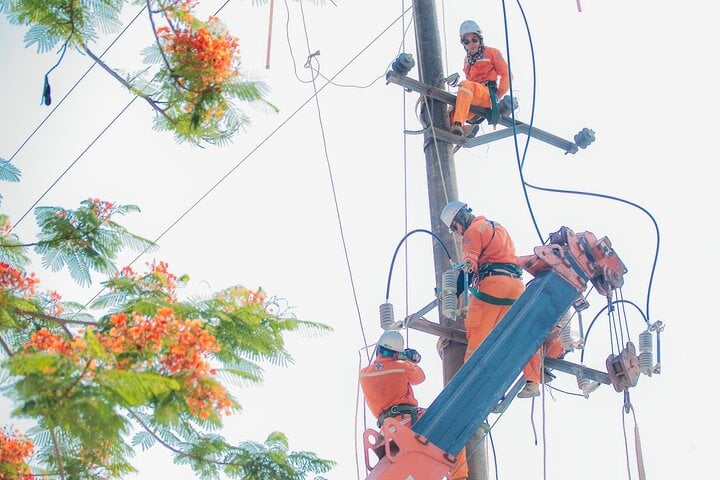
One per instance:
(488,269)
(397,411)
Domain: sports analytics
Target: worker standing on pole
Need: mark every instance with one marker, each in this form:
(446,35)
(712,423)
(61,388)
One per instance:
(387,384)
(496,280)
(487,77)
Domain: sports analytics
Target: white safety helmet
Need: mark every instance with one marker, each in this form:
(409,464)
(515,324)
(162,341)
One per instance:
(469,26)
(392,340)
(450,211)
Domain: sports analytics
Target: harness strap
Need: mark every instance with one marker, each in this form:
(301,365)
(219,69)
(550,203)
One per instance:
(491,299)
(488,269)
(493,268)
(492,87)
(398,410)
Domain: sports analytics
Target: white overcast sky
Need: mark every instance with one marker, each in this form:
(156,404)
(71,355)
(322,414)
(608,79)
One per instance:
(639,73)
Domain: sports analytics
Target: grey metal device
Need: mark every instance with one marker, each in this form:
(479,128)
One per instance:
(481,382)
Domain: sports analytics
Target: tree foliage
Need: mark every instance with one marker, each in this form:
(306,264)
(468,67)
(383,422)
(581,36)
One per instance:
(193,78)
(136,367)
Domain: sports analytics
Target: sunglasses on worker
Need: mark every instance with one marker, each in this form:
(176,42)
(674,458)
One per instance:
(465,41)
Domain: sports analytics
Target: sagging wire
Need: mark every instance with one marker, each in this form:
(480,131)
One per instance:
(72,164)
(75,85)
(515,134)
(392,263)
(401,48)
(405,172)
(627,202)
(609,306)
(331,177)
(246,157)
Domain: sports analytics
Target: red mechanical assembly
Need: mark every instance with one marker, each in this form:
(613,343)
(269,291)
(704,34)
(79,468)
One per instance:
(577,259)
(411,456)
(624,369)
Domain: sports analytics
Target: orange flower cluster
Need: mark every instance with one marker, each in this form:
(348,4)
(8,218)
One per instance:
(101,208)
(47,341)
(53,306)
(159,279)
(245,296)
(15,280)
(176,348)
(185,4)
(206,54)
(14,449)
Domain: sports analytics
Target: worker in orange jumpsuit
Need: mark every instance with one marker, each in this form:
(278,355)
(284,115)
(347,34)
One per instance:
(482,65)
(387,384)
(496,282)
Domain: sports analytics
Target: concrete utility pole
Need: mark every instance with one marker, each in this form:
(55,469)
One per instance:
(442,188)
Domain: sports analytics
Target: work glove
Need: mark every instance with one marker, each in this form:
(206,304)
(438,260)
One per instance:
(467,267)
(453,79)
(412,355)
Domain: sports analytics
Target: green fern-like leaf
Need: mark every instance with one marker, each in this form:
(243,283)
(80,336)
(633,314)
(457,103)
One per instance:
(8,171)
(144,439)
(132,389)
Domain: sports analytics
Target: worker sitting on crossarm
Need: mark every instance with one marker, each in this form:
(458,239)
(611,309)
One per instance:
(487,77)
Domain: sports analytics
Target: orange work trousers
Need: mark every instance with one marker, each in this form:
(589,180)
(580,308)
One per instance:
(460,471)
(551,348)
(482,316)
(470,93)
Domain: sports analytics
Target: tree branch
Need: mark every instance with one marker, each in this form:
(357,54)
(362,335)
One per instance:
(120,79)
(50,318)
(175,450)
(56,447)
(6,347)
(162,51)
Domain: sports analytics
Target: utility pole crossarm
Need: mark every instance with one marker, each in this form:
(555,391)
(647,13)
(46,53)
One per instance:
(512,125)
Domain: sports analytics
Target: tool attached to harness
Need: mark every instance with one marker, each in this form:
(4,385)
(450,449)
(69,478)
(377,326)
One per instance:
(397,411)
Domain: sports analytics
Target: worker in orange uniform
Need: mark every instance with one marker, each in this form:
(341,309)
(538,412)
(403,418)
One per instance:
(483,67)
(387,384)
(496,282)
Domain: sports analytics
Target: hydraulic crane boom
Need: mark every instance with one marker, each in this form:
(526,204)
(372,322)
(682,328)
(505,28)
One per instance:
(427,450)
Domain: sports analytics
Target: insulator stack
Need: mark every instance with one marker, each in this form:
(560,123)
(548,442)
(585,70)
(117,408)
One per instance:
(566,338)
(646,356)
(587,386)
(387,317)
(403,64)
(448,294)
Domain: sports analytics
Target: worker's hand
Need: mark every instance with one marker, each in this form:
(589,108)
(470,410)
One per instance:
(467,268)
(412,355)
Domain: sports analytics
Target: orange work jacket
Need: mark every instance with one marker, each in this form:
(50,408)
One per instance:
(491,66)
(483,243)
(387,382)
